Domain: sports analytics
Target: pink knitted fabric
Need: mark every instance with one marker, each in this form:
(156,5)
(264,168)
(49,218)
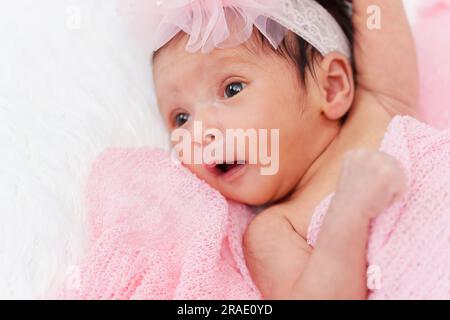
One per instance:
(158,232)
(410,242)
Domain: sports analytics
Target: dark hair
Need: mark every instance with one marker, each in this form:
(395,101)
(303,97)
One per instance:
(300,52)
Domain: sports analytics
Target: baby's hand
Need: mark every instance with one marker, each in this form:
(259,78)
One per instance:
(370,182)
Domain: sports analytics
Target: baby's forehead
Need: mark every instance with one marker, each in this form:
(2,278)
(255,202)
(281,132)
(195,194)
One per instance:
(178,52)
(175,59)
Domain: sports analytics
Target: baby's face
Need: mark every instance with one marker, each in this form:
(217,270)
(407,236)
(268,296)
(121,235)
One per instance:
(240,88)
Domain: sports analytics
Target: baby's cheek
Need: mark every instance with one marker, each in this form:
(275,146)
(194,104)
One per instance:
(190,167)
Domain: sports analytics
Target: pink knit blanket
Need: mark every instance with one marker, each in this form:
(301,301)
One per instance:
(158,232)
(409,243)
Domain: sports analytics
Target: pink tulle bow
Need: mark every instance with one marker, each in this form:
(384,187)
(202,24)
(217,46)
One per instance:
(209,23)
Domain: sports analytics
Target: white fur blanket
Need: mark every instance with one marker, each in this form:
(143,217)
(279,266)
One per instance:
(72,83)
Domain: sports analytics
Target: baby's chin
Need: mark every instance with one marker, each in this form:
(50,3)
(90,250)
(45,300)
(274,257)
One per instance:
(248,186)
(250,199)
(252,191)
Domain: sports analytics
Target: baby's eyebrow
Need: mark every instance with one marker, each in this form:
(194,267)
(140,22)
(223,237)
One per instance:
(228,67)
(235,58)
(221,65)
(169,97)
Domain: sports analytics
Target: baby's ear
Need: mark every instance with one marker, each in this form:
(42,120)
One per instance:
(336,84)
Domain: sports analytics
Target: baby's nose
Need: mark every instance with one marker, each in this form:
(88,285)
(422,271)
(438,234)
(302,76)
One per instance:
(209,138)
(210,120)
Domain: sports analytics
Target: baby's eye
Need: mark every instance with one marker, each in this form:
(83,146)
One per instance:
(233,89)
(181,119)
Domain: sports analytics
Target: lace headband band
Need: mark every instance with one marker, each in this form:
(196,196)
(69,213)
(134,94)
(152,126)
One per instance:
(227,23)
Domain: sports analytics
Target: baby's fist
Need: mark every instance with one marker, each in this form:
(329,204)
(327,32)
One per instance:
(370,182)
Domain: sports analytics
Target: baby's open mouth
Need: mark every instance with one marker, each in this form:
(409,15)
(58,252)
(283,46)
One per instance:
(226,169)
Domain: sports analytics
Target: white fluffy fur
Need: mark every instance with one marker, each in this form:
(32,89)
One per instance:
(65,95)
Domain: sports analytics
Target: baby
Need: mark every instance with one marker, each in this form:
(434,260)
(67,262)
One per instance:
(332,109)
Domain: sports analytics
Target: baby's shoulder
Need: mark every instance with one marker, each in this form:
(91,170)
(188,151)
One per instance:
(270,228)
(275,254)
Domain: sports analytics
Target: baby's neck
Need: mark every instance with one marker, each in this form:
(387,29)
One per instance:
(364,128)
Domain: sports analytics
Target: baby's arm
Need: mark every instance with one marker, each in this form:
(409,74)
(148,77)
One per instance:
(275,254)
(337,267)
(283,266)
(386,61)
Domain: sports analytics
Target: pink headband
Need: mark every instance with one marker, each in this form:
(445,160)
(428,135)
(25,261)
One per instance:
(227,23)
